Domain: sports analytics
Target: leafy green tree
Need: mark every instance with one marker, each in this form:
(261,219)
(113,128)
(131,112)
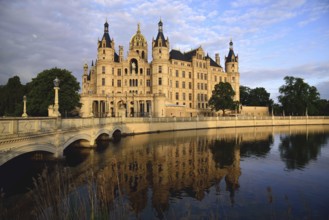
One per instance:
(296,96)
(255,97)
(244,95)
(322,107)
(41,92)
(222,97)
(11,97)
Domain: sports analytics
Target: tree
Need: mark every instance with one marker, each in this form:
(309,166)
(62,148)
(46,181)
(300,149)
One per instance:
(11,97)
(244,95)
(41,92)
(255,97)
(222,97)
(297,97)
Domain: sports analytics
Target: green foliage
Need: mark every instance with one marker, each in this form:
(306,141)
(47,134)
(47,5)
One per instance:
(41,92)
(11,97)
(296,97)
(255,97)
(222,97)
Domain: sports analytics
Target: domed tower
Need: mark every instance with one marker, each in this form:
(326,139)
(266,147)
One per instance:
(139,44)
(232,70)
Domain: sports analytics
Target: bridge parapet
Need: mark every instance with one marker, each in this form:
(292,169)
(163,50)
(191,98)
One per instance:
(24,126)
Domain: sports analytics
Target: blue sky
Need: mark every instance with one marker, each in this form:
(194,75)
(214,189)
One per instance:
(273,38)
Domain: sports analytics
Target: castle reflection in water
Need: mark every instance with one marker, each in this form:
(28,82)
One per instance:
(170,165)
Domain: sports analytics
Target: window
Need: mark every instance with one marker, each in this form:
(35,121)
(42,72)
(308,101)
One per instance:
(112,82)
(141,71)
(177,84)
(177,95)
(103,51)
(183,84)
(119,83)
(205,77)
(198,75)
(160,69)
(205,86)
(215,78)
(126,71)
(148,71)
(177,73)
(148,83)
(160,81)
(183,74)
(103,69)
(190,85)
(190,96)
(190,75)
(119,72)
(112,71)
(183,96)
(201,75)
(233,79)
(103,81)
(198,86)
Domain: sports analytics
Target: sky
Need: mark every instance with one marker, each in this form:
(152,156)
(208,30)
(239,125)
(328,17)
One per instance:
(273,38)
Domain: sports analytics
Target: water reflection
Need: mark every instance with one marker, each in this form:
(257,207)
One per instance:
(153,172)
(297,150)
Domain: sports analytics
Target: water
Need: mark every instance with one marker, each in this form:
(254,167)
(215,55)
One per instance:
(238,173)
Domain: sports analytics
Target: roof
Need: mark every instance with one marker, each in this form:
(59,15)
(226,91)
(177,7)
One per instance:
(160,36)
(116,57)
(177,55)
(108,40)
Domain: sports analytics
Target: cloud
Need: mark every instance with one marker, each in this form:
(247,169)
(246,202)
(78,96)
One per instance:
(272,79)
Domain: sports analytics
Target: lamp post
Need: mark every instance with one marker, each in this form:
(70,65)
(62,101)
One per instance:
(56,104)
(24,115)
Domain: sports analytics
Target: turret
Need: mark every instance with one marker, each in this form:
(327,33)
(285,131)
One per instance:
(217,58)
(160,46)
(120,54)
(232,70)
(106,45)
(231,61)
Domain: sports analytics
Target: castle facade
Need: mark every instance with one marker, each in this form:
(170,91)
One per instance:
(174,83)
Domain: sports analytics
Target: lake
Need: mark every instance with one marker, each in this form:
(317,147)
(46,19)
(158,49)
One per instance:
(232,173)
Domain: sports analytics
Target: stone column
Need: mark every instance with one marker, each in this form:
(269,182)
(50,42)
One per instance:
(24,115)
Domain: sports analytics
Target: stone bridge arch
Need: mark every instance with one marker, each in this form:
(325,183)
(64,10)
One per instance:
(23,149)
(86,137)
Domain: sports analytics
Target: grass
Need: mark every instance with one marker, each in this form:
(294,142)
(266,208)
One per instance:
(57,195)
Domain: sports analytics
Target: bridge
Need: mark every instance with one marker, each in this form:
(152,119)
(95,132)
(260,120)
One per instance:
(23,135)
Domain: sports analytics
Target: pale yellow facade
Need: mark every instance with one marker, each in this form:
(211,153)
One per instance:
(172,84)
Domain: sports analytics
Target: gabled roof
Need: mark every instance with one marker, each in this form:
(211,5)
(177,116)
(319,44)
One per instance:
(177,55)
(212,62)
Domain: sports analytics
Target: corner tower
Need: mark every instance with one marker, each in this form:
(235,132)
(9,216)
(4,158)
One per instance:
(232,70)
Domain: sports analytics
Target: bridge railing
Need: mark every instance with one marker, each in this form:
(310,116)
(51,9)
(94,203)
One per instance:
(22,126)
(11,127)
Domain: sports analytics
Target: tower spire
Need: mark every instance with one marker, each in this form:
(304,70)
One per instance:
(160,26)
(106,27)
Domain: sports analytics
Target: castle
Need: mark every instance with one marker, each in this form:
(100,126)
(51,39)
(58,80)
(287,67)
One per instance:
(172,84)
